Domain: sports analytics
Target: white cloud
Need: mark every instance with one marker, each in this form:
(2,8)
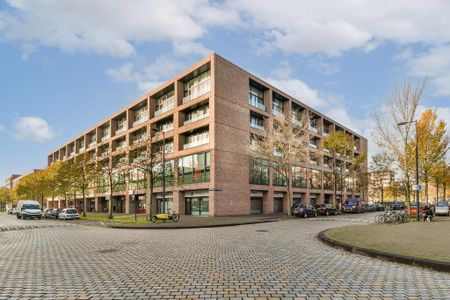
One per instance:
(332,27)
(2,128)
(33,129)
(147,77)
(188,47)
(434,65)
(110,27)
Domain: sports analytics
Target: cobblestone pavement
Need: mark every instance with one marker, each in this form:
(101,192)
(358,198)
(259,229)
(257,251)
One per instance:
(282,260)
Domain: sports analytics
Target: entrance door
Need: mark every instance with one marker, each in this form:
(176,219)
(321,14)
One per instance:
(197,206)
(278,205)
(256,205)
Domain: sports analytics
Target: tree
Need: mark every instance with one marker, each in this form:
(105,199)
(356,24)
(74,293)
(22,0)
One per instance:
(434,143)
(339,147)
(381,168)
(112,170)
(5,197)
(146,158)
(64,179)
(359,172)
(398,140)
(83,175)
(284,144)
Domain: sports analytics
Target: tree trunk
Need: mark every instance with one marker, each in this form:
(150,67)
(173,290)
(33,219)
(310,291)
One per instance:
(382,194)
(84,203)
(111,191)
(437,189)
(289,196)
(147,196)
(426,187)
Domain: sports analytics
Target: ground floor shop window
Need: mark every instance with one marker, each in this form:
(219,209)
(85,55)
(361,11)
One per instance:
(164,204)
(258,171)
(197,203)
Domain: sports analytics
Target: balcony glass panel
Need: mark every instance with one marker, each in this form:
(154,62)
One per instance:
(256,98)
(165,103)
(198,114)
(197,139)
(197,86)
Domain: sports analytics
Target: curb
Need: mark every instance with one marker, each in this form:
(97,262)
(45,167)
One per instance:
(437,265)
(187,227)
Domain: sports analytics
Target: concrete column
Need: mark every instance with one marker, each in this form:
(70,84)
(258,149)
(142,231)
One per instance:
(267,202)
(96,201)
(128,209)
(178,202)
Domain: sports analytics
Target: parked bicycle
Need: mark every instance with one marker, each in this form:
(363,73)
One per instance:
(391,217)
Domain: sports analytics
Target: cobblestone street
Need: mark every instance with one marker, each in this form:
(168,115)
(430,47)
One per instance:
(282,260)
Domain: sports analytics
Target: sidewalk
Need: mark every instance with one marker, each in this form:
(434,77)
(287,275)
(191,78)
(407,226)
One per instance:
(186,222)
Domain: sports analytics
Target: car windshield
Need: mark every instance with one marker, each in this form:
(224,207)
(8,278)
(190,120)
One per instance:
(71,211)
(30,206)
(442,204)
(351,202)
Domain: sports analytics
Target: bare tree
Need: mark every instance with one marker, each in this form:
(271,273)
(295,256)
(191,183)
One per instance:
(381,167)
(284,144)
(398,141)
(148,159)
(112,169)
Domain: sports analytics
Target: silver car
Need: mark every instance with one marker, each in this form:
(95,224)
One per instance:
(69,214)
(442,208)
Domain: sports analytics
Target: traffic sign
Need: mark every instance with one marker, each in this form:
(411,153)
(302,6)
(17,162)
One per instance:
(416,187)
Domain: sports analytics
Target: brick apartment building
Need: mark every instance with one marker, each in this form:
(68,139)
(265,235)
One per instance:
(209,114)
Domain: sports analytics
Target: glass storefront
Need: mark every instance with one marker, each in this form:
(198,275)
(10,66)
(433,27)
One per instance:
(197,203)
(164,204)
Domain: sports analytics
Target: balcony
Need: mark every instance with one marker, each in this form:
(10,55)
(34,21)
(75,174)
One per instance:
(313,162)
(296,121)
(140,120)
(167,105)
(197,90)
(256,126)
(92,144)
(312,145)
(122,129)
(313,129)
(196,116)
(196,143)
(164,129)
(257,102)
(71,153)
(82,149)
(105,138)
(278,113)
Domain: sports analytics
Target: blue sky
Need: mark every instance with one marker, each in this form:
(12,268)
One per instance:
(66,65)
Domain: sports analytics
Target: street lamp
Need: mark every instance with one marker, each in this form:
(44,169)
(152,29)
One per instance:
(417,165)
(163,162)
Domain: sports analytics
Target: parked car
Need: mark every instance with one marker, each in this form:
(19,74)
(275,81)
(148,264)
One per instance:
(326,209)
(399,205)
(56,212)
(69,214)
(47,213)
(9,211)
(442,208)
(353,205)
(14,211)
(370,208)
(378,207)
(304,210)
(28,209)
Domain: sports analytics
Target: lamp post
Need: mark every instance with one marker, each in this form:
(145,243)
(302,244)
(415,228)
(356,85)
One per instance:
(163,162)
(417,165)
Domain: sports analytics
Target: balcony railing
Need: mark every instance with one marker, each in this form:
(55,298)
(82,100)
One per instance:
(278,113)
(313,145)
(196,143)
(196,118)
(82,149)
(313,129)
(169,104)
(164,129)
(254,101)
(105,138)
(92,144)
(297,121)
(313,162)
(197,90)
(120,130)
(140,120)
(256,126)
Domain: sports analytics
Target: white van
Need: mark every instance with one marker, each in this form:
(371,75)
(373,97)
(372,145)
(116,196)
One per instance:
(28,209)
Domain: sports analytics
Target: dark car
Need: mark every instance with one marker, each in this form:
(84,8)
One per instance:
(370,208)
(326,209)
(47,213)
(304,210)
(55,213)
(353,205)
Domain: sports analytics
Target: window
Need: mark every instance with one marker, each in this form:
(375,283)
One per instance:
(313,159)
(169,173)
(328,181)
(315,179)
(256,98)
(164,126)
(197,114)
(137,179)
(194,168)
(197,86)
(140,115)
(277,107)
(258,171)
(299,177)
(164,103)
(256,121)
(278,178)
(121,124)
(196,139)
